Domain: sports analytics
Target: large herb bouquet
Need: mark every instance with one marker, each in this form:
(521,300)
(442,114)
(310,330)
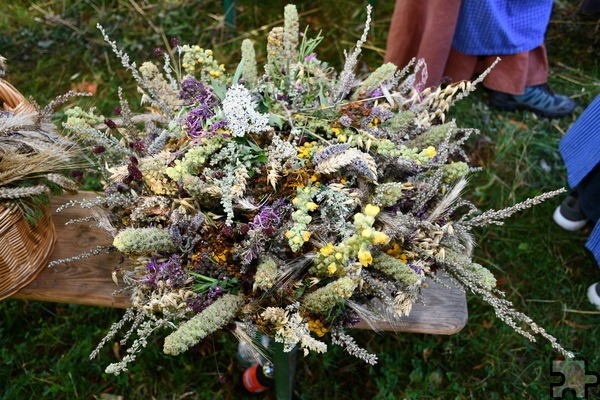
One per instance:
(283,200)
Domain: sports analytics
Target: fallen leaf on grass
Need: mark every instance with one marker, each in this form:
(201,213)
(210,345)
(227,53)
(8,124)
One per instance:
(519,124)
(427,352)
(108,396)
(487,324)
(576,325)
(116,348)
(484,364)
(84,86)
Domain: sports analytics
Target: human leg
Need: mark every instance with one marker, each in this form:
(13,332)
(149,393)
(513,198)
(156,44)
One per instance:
(588,192)
(517,81)
(422,29)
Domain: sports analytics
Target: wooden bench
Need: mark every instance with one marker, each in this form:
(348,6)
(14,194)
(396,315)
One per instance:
(88,281)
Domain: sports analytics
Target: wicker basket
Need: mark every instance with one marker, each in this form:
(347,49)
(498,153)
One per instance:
(24,248)
(13,101)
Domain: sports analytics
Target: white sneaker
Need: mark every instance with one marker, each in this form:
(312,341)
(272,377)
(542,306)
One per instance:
(568,215)
(593,294)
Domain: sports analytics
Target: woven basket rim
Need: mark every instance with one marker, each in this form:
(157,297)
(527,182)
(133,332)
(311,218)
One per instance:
(12,100)
(21,268)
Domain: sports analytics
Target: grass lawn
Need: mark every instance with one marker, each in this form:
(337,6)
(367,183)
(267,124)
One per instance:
(53,46)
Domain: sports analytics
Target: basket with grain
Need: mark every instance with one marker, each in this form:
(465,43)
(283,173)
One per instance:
(31,155)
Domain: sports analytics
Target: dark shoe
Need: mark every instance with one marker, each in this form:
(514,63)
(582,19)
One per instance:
(539,99)
(568,215)
(593,294)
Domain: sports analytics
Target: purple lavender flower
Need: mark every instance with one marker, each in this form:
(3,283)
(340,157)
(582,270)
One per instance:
(415,268)
(330,151)
(345,120)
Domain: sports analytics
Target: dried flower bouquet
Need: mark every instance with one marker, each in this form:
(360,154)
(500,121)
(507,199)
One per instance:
(283,200)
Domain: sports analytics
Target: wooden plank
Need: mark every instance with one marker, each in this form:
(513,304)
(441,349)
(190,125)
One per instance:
(442,310)
(88,281)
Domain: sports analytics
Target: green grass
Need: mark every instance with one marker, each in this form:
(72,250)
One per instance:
(53,46)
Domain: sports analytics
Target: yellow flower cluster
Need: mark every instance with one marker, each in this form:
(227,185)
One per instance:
(332,259)
(340,135)
(305,150)
(396,251)
(221,256)
(429,152)
(316,326)
(375,122)
(198,60)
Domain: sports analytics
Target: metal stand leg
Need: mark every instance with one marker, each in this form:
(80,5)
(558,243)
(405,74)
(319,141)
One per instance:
(230,12)
(284,365)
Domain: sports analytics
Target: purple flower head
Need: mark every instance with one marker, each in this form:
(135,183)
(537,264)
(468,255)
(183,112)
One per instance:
(171,272)
(310,57)
(266,218)
(375,93)
(193,91)
(77,174)
(416,268)
(198,303)
(98,149)
(215,292)
(110,123)
(345,120)
(218,125)
(138,146)
(134,173)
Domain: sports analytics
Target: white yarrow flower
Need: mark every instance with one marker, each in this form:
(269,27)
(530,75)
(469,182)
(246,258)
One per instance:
(240,112)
